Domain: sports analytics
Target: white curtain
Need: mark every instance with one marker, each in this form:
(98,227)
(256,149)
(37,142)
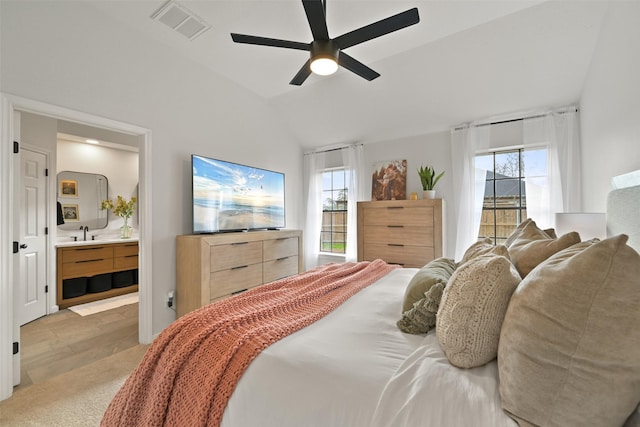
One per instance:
(468,183)
(314,166)
(353,160)
(559,132)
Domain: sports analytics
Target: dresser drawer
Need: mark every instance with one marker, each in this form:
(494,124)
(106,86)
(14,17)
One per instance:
(236,279)
(87,268)
(87,253)
(125,262)
(280,268)
(280,248)
(125,250)
(399,215)
(407,235)
(407,256)
(224,257)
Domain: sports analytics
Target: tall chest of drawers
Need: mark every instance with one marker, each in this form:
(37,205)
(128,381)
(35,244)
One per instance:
(405,232)
(213,267)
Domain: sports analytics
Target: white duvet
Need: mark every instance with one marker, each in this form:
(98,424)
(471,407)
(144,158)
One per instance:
(356,368)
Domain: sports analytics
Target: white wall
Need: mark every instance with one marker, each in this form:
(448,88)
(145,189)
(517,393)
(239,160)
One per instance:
(610,105)
(70,55)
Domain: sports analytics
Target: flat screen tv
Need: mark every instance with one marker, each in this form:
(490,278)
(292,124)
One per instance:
(232,197)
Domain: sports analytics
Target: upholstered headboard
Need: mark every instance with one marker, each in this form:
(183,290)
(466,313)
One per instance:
(623,214)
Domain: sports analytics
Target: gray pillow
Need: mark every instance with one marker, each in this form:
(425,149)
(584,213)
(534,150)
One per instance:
(422,317)
(569,351)
(437,271)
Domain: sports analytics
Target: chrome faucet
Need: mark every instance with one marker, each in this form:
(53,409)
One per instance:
(85,229)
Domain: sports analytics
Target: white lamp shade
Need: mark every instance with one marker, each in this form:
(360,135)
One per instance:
(588,225)
(324,66)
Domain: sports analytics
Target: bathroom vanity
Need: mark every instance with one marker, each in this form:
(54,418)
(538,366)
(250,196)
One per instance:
(94,270)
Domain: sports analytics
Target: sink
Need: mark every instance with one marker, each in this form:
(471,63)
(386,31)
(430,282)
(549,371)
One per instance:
(108,238)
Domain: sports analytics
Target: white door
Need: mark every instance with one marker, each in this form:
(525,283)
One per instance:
(30,263)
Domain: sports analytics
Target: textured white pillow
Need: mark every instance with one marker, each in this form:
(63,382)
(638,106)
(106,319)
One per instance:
(472,309)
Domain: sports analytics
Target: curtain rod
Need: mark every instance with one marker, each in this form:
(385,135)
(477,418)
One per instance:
(537,116)
(332,149)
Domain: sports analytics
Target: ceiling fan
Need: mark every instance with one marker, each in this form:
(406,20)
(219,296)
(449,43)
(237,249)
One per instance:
(327,53)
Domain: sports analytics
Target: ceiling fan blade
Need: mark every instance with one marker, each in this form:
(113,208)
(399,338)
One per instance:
(377,29)
(302,75)
(315,11)
(356,66)
(265,41)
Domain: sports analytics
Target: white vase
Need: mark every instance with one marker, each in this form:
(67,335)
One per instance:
(429,194)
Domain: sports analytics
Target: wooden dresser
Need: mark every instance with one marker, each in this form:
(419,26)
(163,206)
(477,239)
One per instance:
(215,266)
(405,232)
(79,265)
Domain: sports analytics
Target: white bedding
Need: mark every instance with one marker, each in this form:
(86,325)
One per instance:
(335,372)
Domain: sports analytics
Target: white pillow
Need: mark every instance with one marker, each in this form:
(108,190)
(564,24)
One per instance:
(472,309)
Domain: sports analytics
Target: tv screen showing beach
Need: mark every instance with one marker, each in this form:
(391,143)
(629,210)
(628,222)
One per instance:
(229,196)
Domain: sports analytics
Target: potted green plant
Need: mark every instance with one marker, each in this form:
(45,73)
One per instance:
(429,179)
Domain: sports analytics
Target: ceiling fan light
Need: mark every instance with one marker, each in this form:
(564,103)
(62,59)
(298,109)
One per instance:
(324,65)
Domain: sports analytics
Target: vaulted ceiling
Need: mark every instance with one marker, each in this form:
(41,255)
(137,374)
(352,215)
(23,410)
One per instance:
(465,60)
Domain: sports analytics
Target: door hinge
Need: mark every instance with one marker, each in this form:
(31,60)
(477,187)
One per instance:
(16,247)
(16,347)
(16,147)
(46,289)
(46,230)
(46,172)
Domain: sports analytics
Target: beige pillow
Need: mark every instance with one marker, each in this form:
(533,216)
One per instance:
(482,247)
(569,352)
(437,271)
(472,308)
(515,233)
(533,246)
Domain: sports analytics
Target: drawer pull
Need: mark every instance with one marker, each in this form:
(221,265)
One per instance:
(395,207)
(282,259)
(395,226)
(239,267)
(130,256)
(90,260)
(394,244)
(240,243)
(239,292)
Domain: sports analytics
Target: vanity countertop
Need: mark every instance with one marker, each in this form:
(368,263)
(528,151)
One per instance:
(98,241)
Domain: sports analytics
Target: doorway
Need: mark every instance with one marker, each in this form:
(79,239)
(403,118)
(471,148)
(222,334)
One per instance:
(9,331)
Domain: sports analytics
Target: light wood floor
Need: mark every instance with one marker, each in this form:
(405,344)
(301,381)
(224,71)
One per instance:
(64,341)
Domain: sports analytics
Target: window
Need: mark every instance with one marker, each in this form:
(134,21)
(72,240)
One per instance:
(333,235)
(509,174)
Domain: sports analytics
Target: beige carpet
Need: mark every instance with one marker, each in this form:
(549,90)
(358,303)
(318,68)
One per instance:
(77,398)
(104,304)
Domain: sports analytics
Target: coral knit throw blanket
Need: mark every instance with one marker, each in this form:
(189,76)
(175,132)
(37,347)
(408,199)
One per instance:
(190,371)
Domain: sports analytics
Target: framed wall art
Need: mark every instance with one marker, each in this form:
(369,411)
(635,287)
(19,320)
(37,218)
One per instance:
(70,213)
(68,188)
(389,180)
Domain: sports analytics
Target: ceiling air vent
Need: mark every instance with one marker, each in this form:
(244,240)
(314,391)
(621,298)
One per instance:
(180,19)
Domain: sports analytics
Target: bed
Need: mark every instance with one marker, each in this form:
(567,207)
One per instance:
(351,365)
